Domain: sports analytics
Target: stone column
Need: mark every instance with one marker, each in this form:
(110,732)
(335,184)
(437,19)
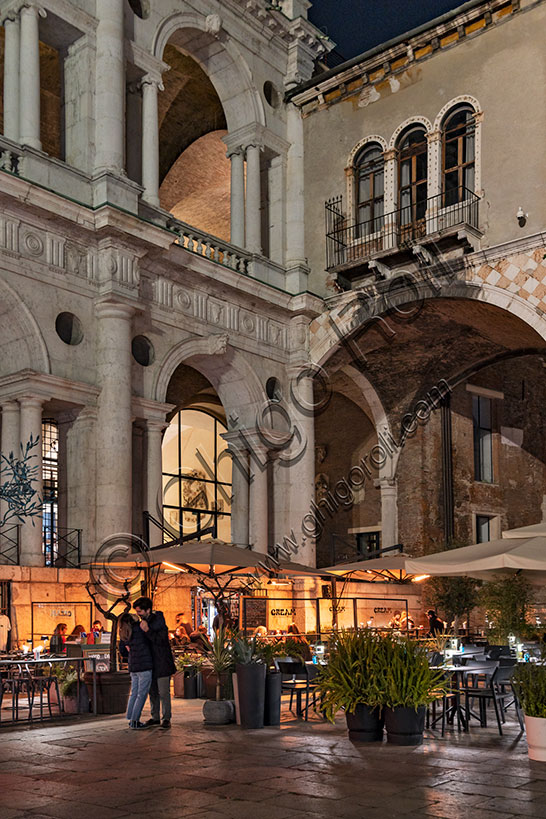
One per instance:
(81,470)
(390,199)
(133,133)
(240,483)
(258,497)
(114,420)
(150,140)
(434,180)
(389,512)
(253,200)
(295,221)
(237,210)
(11,77)
(154,476)
(32,553)
(110,87)
(302,469)
(29,77)
(10,442)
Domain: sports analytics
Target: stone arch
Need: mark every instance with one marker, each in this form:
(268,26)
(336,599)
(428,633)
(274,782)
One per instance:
(202,37)
(406,124)
(366,141)
(227,370)
(22,343)
(464,99)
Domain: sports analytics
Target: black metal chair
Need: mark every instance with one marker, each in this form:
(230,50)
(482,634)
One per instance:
(15,680)
(43,680)
(301,680)
(497,688)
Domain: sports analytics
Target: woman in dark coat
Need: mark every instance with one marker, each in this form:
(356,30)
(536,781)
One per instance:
(140,667)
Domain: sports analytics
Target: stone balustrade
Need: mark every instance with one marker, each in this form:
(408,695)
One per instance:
(204,244)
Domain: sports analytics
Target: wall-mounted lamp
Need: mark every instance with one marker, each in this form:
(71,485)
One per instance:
(521,217)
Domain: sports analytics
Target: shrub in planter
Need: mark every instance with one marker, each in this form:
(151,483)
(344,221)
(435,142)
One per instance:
(220,660)
(74,693)
(408,686)
(530,685)
(251,672)
(185,678)
(352,681)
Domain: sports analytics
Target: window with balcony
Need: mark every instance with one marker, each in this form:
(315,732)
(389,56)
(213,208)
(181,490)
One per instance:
(369,175)
(412,182)
(458,160)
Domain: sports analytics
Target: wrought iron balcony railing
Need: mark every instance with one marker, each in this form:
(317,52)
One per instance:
(62,547)
(348,243)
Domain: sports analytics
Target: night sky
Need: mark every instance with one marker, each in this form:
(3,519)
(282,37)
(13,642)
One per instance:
(357,25)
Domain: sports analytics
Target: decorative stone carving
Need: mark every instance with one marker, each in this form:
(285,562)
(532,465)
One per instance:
(213,24)
(217,344)
(33,244)
(183,300)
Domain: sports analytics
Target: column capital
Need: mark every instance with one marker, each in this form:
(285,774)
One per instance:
(390,154)
(153,80)
(114,309)
(237,150)
(87,414)
(434,136)
(35,401)
(154,425)
(9,405)
(11,16)
(33,8)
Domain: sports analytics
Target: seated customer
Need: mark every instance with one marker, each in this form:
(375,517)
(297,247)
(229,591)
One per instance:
(58,639)
(294,634)
(200,639)
(78,635)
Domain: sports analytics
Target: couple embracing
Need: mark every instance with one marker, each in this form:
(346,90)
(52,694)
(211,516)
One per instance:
(151,664)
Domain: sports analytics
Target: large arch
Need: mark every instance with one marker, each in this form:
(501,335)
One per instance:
(22,343)
(232,377)
(202,37)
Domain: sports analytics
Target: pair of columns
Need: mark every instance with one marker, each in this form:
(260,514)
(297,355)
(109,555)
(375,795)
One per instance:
(22,75)
(21,420)
(246,200)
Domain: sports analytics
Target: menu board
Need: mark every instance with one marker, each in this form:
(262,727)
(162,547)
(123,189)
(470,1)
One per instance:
(254,612)
(101,653)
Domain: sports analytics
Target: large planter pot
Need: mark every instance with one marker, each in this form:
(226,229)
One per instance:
(251,686)
(272,706)
(535,728)
(74,705)
(178,684)
(405,726)
(219,712)
(113,689)
(190,685)
(365,724)
(236,698)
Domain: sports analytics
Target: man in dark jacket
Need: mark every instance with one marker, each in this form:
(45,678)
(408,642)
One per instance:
(154,627)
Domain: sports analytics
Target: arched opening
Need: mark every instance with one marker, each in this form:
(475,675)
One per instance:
(196,470)
(193,167)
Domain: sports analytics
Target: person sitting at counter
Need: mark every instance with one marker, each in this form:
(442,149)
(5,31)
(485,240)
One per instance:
(78,635)
(395,619)
(58,639)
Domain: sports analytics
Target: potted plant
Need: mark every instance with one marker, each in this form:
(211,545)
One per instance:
(408,685)
(219,711)
(507,603)
(251,672)
(269,651)
(74,693)
(529,682)
(351,681)
(186,676)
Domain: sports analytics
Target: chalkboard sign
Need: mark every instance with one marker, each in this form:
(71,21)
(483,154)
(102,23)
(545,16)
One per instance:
(255,612)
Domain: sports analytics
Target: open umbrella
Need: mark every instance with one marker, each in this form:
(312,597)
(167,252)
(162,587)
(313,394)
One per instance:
(483,560)
(377,570)
(212,558)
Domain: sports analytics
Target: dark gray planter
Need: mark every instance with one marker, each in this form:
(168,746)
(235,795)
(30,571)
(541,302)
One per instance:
(366,724)
(405,726)
(251,685)
(190,685)
(220,712)
(272,710)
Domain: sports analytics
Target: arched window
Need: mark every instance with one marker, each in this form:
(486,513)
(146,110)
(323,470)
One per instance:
(369,189)
(458,140)
(412,180)
(196,476)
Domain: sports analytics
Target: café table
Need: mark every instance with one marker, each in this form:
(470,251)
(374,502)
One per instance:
(457,673)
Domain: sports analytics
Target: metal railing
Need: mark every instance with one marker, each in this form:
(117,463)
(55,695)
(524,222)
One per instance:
(10,540)
(351,242)
(62,547)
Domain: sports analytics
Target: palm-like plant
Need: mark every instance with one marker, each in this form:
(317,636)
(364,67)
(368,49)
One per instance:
(408,680)
(220,658)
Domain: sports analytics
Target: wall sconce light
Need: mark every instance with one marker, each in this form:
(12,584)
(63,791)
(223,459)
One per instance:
(521,217)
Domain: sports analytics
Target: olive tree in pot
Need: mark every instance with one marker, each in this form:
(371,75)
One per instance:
(351,681)
(251,673)
(408,685)
(220,659)
(529,682)
(74,693)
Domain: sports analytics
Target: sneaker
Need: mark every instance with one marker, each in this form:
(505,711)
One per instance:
(137,726)
(152,721)
(166,723)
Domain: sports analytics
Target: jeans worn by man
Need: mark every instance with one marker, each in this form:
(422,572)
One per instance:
(155,629)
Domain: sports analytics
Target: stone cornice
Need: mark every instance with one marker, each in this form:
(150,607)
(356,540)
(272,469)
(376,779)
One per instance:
(150,410)
(46,387)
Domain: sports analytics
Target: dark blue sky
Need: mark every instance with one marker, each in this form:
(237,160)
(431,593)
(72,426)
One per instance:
(357,25)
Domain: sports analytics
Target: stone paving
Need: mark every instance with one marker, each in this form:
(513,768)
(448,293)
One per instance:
(99,769)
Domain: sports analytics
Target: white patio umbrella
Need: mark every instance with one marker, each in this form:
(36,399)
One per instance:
(378,570)
(483,560)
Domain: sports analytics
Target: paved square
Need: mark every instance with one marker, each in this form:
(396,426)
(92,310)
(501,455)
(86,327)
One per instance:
(99,769)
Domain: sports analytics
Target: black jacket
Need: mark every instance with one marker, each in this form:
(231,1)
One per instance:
(158,639)
(140,651)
